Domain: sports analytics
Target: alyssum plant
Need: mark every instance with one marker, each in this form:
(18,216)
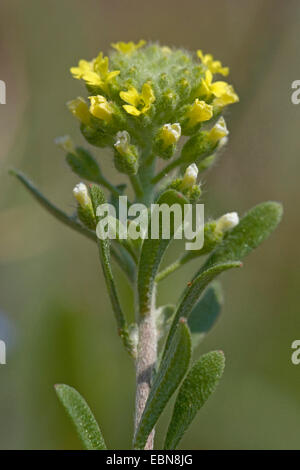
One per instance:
(147,102)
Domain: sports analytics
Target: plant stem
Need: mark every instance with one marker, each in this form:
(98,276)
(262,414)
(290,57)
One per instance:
(147,344)
(168,270)
(145,363)
(166,170)
(137,187)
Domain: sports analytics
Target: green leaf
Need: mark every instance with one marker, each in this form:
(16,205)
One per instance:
(197,387)
(193,292)
(83,164)
(82,417)
(98,198)
(253,229)
(171,371)
(205,313)
(153,251)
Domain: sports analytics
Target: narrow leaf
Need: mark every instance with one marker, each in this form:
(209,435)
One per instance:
(82,417)
(197,387)
(171,371)
(193,293)
(205,313)
(253,229)
(83,164)
(153,251)
(98,198)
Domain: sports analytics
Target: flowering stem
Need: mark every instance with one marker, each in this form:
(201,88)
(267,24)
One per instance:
(168,270)
(104,182)
(166,170)
(136,184)
(145,363)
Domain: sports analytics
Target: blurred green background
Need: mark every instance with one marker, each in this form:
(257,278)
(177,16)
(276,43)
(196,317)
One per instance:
(55,314)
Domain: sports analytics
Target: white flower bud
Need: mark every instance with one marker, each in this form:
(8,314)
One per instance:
(122,142)
(219,131)
(228,221)
(190,176)
(81,194)
(66,143)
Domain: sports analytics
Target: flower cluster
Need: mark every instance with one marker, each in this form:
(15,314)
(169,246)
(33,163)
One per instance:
(146,100)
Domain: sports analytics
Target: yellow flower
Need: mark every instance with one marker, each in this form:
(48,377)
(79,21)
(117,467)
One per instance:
(128,47)
(228,96)
(215,66)
(170,134)
(83,67)
(101,108)
(80,109)
(139,103)
(224,92)
(199,111)
(101,67)
(95,72)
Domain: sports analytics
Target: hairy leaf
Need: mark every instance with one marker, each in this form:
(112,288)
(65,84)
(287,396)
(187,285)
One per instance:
(83,164)
(82,417)
(153,251)
(171,371)
(205,313)
(254,227)
(193,293)
(197,387)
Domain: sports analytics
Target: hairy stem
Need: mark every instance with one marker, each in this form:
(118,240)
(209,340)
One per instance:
(137,187)
(166,170)
(145,363)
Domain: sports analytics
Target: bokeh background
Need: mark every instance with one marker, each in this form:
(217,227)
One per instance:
(55,314)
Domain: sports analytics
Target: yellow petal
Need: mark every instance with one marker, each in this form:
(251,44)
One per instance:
(219,88)
(93,79)
(199,112)
(131,110)
(80,110)
(128,47)
(101,108)
(83,67)
(131,96)
(147,94)
(228,97)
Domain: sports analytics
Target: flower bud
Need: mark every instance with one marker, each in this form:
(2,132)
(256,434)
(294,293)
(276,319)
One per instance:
(101,108)
(167,137)
(66,143)
(197,148)
(81,194)
(85,208)
(190,177)
(126,155)
(198,112)
(218,132)
(80,110)
(228,221)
